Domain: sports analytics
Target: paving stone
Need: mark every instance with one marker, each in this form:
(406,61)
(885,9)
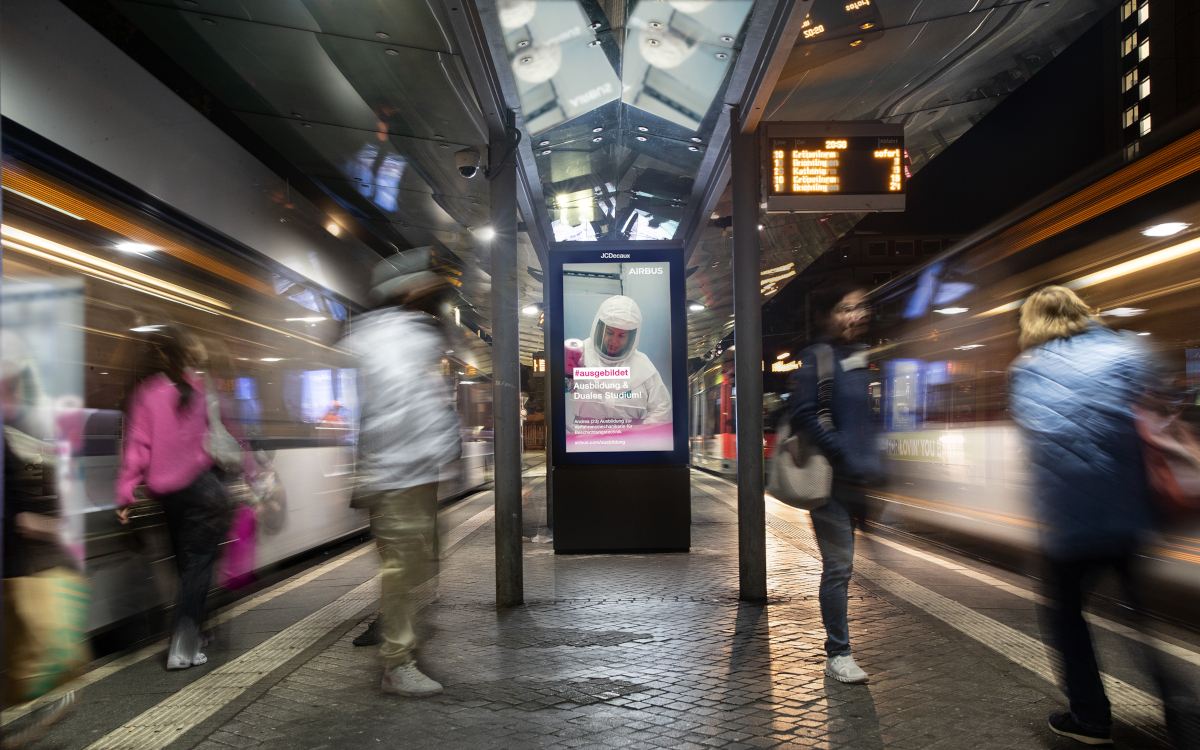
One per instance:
(650,651)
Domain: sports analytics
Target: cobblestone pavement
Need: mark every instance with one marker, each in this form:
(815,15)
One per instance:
(650,651)
(637,651)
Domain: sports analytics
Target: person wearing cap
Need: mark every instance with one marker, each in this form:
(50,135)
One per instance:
(613,342)
(407,433)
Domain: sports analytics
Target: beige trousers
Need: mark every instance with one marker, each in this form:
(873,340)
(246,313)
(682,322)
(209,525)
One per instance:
(404,523)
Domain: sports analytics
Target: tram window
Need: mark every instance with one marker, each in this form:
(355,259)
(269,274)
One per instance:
(904,247)
(931,247)
(876,248)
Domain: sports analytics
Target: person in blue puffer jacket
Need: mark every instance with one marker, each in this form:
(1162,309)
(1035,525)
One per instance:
(1073,391)
(851,449)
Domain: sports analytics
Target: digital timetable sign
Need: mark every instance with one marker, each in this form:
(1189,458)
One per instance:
(833,166)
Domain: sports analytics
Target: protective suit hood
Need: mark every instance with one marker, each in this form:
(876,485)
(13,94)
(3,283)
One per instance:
(617,312)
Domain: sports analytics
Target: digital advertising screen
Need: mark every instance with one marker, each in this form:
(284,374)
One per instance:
(617,319)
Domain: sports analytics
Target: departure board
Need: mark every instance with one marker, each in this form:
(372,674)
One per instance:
(831,167)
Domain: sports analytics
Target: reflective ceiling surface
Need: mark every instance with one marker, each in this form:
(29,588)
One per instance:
(618,99)
(935,66)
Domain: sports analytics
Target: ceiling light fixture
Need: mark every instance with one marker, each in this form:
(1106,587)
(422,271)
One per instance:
(695,306)
(722,56)
(727,39)
(785,355)
(305,320)
(597,139)
(968,346)
(856,42)
(147,329)
(952,310)
(271,359)
(134,247)
(597,129)
(486,233)
(1145,333)
(392,52)
(693,148)
(381,34)
(643,128)
(1139,264)
(1165,230)
(867,25)
(1122,312)
(333,229)
(641,137)
(546,152)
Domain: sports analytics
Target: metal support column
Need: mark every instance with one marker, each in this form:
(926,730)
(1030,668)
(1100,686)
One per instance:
(550,381)
(747,333)
(506,377)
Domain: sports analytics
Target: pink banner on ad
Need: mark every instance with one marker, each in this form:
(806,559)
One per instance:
(641,437)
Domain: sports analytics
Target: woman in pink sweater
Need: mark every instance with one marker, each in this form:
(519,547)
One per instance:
(165,427)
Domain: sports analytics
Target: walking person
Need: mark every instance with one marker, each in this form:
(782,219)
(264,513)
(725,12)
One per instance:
(1073,392)
(167,430)
(846,437)
(407,433)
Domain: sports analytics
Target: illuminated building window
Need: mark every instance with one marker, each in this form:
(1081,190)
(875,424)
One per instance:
(1145,125)
(1143,14)
(1129,81)
(1130,117)
(1144,88)
(1128,8)
(1128,44)
(1144,50)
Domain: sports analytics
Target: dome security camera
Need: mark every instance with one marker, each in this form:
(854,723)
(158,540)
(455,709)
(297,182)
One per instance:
(467,162)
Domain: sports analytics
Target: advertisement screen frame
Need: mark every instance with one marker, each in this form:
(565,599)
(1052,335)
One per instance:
(673,257)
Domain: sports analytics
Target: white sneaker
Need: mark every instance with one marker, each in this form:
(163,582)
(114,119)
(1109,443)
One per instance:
(408,681)
(843,669)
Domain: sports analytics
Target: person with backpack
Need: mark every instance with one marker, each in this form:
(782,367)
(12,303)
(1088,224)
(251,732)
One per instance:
(834,418)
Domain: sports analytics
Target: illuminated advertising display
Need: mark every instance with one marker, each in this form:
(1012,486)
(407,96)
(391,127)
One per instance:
(834,166)
(617,320)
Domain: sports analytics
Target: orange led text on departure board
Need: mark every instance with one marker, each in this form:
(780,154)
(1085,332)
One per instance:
(802,166)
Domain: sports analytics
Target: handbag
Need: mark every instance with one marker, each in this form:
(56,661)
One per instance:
(800,476)
(45,632)
(1171,450)
(223,448)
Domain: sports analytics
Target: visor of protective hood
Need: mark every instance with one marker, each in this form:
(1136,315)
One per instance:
(606,337)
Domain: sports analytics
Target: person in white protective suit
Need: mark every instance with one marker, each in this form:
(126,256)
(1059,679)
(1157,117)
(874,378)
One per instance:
(614,343)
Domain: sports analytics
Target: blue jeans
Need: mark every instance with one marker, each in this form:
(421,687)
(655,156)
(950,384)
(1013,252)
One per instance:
(835,537)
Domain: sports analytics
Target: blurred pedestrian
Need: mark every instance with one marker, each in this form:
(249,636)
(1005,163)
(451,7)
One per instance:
(408,431)
(166,448)
(45,600)
(1073,391)
(840,426)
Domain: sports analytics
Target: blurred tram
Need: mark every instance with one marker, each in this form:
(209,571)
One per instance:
(85,276)
(1126,237)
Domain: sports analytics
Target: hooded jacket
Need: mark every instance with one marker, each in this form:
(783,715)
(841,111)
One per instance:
(646,399)
(1073,400)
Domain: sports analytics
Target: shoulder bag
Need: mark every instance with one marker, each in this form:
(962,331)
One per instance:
(800,476)
(223,448)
